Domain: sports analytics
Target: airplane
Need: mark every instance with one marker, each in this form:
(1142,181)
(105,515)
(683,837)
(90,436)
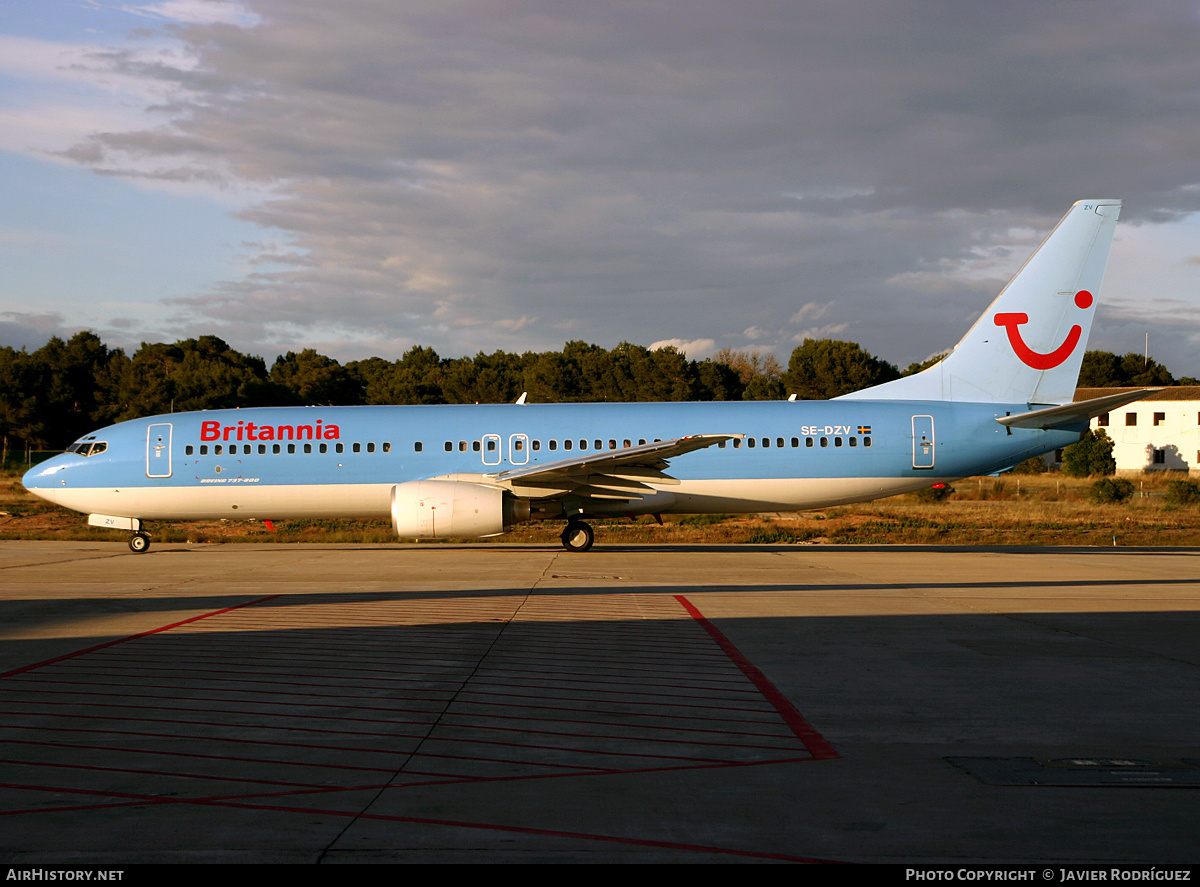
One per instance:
(1002,395)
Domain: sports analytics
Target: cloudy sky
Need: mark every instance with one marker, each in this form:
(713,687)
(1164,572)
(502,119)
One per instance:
(361,176)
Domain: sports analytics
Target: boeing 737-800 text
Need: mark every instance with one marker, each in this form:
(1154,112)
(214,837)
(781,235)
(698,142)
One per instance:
(1002,395)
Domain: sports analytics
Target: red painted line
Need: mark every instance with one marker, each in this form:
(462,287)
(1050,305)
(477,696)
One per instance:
(541,832)
(620,719)
(153,631)
(169,774)
(197,755)
(813,741)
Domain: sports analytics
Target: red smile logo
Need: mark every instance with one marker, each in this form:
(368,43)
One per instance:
(1036,359)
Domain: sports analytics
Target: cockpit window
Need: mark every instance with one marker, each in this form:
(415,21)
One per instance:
(88,447)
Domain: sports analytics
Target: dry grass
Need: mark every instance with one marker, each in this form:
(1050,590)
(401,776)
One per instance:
(1012,510)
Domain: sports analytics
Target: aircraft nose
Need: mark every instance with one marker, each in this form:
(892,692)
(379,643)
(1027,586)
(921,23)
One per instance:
(42,475)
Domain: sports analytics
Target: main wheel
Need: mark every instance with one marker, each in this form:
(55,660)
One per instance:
(578,536)
(139,542)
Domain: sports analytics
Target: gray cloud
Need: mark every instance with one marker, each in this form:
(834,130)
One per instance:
(481,175)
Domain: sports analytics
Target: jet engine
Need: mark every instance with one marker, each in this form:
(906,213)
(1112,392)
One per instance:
(433,509)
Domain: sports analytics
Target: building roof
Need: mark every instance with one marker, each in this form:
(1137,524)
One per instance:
(1174,392)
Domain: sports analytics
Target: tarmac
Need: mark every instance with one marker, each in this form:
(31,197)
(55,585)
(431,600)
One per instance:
(518,703)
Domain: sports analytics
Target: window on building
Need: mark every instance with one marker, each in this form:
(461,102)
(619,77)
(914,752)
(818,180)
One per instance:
(1159,418)
(1160,457)
(1102,420)
(1130,420)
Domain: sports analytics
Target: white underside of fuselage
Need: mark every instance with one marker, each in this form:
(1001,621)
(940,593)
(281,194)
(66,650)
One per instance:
(284,502)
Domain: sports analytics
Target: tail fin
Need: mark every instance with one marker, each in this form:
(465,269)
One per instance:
(1028,346)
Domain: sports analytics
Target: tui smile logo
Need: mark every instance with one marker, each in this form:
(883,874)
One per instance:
(1036,359)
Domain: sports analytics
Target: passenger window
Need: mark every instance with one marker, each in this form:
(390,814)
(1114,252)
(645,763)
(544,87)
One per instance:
(203,449)
(628,444)
(554,445)
(371,447)
(854,441)
(275,449)
(475,446)
(357,447)
(387,446)
(518,445)
(824,441)
(537,445)
(188,450)
(416,446)
(837,441)
(808,441)
(307,448)
(750,442)
(491,446)
(262,449)
(449,447)
(341,448)
(795,442)
(737,443)
(599,444)
(324,448)
(567,444)
(291,449)
(612,444)
(866,441)
(462,446)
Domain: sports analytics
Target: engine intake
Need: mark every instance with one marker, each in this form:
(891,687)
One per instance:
(435,509)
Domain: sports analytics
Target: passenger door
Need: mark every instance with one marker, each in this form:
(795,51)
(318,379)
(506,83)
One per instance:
(922,427)
(158,450)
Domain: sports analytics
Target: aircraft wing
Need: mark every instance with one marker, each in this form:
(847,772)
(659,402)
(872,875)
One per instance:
(607,474)
(1074,413)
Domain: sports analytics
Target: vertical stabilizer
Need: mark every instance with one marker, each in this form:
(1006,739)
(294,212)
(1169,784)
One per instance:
(1028,346)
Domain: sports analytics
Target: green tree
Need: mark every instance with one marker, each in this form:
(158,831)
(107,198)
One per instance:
(1103,369)
(315,379)
(1092,456)
(824,368)
(194,374)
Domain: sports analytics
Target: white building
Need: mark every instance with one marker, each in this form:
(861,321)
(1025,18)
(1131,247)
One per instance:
(1158,433)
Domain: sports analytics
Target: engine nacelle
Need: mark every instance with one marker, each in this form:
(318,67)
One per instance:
(434,509)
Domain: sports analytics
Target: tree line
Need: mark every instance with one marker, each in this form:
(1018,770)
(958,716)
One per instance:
(53,395)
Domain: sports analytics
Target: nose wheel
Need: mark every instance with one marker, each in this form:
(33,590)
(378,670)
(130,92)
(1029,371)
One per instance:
(139,543)
(578,536)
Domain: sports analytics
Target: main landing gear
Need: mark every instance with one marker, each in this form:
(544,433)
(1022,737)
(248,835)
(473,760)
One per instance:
(578,536)
(139,543)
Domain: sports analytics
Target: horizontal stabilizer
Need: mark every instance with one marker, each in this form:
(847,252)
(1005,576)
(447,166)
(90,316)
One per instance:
(1074,413)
